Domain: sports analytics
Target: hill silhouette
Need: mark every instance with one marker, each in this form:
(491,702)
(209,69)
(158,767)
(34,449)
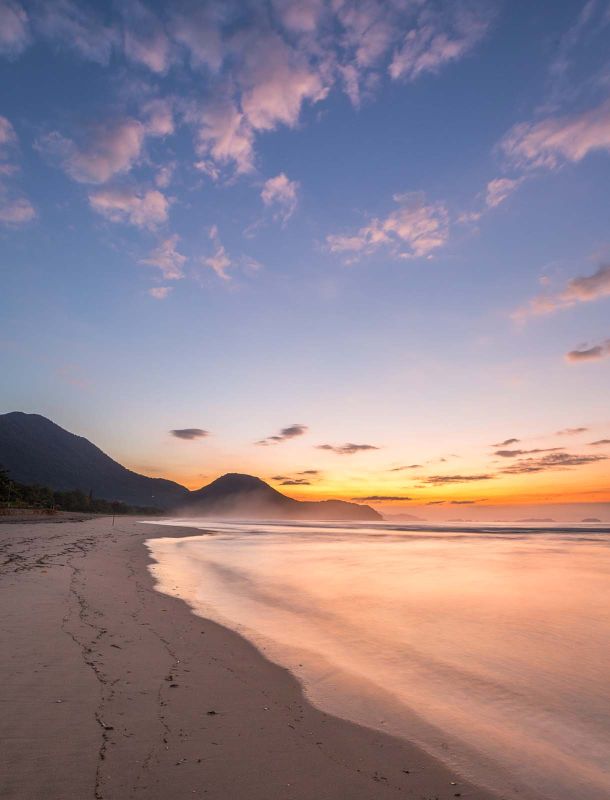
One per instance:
(35,450)
(238,495)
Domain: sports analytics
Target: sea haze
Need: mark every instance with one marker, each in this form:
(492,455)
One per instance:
(487,645)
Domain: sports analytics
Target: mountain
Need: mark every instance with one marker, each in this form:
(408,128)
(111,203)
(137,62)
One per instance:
(237,495)
(35,450)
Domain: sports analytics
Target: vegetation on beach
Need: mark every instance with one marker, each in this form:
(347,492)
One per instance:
(21,495)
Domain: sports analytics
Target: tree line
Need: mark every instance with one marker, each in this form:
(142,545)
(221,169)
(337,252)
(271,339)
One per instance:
(22,495)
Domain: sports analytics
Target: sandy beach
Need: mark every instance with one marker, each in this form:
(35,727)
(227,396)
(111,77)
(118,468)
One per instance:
(112,690)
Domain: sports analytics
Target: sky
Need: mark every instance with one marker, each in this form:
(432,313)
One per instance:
(359,249)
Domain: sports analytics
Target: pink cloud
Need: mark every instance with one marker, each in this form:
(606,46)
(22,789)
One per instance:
(167,258)
(198,31)
(14,28)
(146,209)
(593,353)
(78,27)
(300,16)
(109,148)
(145,40)
(413,230)
(16,211)
(160,292)
(275,81)
(224,134)
(281,193)
(159,117)
(438,40)
(219,261)
(499,189)
(582,289)
(551,142)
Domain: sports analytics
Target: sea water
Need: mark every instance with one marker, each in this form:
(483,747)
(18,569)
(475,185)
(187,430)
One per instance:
(489,646)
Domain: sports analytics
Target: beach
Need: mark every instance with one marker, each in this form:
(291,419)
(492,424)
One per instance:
(112,690)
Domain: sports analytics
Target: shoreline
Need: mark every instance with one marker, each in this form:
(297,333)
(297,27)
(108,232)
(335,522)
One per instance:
(113,690)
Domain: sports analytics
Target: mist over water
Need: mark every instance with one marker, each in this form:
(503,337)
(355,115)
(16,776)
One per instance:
(487,645)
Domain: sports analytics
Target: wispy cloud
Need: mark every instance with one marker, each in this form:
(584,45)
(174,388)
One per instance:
(582,289)
(571,431)
(439,39)
(380,498)
(219,261)
(285,434)
(599,442)
(594,353)
(406,467)
(414,230)
(14,28)
(347,449)
(506,443)
(189,433)
(281,194)
(15,208)
(295,482)
(144,209)
(517,453)
(499,189)
(550,462)
(552,142)
(442,480)
(160,292)
(167,258)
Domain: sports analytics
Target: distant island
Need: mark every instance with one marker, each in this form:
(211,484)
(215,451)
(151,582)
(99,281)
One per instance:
(36,452)
(590,519)
(536,519)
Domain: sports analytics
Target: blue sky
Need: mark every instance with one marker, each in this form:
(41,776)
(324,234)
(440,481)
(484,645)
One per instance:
(386,222)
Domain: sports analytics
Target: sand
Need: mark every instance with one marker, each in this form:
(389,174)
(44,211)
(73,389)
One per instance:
(111,690)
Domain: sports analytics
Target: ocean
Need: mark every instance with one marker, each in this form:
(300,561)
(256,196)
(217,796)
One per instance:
(487,645)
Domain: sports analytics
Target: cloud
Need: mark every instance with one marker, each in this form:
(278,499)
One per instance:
(414,230)
(167,258)
(594,353)
(380,498)
(15,209)
(197,30)
(219,261)
(516,453)
(159,117)
(224,135)
(14,29)
(296,482)
(145,41)
(463,502)
(506,442)
(309,472)
(439,39)
(599,442)
(571,431)
(499,189)
(347,449)
(189,433)
(160,292)
(408,466)
(275,81)
(280,193)
(78,27)
(441,480)
(582,289)
(300,16)
(550,143)
(290,432)
(146,209)
(550,462)
(107,149)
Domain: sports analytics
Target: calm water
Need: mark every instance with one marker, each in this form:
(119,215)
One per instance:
(489,646)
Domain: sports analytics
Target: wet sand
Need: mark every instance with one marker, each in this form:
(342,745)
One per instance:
(111,690)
